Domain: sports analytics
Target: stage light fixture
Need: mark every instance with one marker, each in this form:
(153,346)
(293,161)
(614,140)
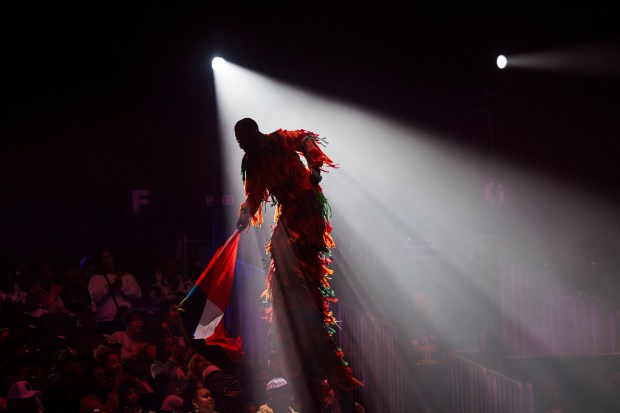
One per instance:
(502,61)
(217,63)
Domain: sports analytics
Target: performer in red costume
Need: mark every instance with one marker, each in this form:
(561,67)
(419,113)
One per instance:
(298,279)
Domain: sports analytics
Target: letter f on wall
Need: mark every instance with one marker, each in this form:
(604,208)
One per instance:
(140,197)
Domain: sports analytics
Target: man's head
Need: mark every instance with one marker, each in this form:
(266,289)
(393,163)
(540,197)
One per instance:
(99,381)
(107,261)
(169,310)
(133,320)
(278,392)
(247,134)
(213,378)
(21,390)
(68,361)
(47,275)
(23,398)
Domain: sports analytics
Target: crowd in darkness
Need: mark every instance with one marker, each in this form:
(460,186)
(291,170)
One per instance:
(93,337)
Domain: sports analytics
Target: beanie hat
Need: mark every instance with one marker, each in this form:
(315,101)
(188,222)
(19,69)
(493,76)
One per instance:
(276,383)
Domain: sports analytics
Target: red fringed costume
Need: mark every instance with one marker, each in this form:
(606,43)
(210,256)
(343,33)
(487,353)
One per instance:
(298,279)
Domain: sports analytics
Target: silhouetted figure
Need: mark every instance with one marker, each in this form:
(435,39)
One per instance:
(297,282)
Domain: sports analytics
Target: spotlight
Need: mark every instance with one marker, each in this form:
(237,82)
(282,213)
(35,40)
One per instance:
(502,61)
(218,63)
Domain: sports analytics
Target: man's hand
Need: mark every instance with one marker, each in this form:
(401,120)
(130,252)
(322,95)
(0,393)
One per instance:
(118,283)
(315,176)
(244,219)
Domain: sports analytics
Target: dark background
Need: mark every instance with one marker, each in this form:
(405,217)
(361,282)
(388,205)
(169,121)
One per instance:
(99,100)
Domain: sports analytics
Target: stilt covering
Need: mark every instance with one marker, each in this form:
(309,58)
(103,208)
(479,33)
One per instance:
(298,286)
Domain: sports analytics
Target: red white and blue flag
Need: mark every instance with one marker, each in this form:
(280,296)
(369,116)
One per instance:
(216,282)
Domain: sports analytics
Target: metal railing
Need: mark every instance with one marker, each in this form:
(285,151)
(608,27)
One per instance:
(474,388)
(544,316)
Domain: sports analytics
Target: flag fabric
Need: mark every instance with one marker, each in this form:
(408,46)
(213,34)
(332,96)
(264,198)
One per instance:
(231,346)
(216,283)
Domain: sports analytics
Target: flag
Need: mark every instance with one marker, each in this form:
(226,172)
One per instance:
(231,346)
(216,283)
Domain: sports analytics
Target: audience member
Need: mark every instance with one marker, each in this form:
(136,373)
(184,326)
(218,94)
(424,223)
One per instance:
(109,356)
(168,392)
(213,379)
(88,267)
(65,386)
(279,397)
(113,293)
(24,275)
(48,289)
(75,294)
(15,354)
(170,360)
(102,391)
(22,398)
(196,365)
(10,291)
(228,393)
(133,344)
(112,384)
(129,397)
(33,306)
(170,283)
(198,400)
(170,322)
